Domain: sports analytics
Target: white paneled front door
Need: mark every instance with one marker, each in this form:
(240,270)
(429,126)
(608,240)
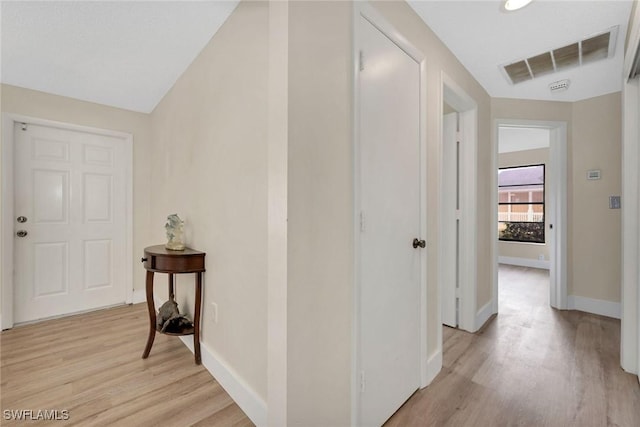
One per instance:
(70,226)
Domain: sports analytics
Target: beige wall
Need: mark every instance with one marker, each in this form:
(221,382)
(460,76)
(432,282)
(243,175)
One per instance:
(320,244)
(520,158)
(440,59)
(596,240)
(593,142)
(57,108)
(209,166)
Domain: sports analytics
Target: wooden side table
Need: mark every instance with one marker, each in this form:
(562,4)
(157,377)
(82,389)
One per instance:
(158,259)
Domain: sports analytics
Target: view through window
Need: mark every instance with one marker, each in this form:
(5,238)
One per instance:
(521,204)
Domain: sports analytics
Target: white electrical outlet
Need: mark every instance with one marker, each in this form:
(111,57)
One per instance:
(214,312)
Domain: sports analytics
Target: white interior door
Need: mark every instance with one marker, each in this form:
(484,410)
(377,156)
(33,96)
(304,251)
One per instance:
(450,221)
(70,225)
(553,221)
(390,267)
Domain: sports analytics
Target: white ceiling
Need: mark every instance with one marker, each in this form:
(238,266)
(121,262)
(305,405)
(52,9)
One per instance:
(126,54)
(483,37)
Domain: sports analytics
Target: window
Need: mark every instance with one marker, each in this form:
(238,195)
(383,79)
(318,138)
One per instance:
(521,204)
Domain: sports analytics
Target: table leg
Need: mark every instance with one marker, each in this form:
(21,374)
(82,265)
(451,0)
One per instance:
(152,314)
(196,320)
(171,287)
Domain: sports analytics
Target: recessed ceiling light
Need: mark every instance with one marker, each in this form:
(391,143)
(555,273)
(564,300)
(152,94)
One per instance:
(511,5)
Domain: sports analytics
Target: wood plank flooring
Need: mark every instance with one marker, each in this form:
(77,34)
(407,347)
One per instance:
(529,366)
(91,366)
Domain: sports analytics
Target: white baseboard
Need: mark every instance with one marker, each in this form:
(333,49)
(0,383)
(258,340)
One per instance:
(241,393)
(246,398)
(524,262)
(434,366)
(139,295)
(595,306)
(483,315)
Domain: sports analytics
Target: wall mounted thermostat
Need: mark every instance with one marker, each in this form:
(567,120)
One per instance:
(593,174)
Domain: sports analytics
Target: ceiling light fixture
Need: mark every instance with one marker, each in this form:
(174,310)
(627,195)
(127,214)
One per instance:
(511,5)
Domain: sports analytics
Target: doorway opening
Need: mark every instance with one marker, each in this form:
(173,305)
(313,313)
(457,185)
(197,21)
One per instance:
(529,203)
(457,257)
(524,200)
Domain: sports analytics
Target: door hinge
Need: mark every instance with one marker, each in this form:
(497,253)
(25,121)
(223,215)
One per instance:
(362,222)
(362,382)
(24,126)
(458,214)
(458,293)
(361,61)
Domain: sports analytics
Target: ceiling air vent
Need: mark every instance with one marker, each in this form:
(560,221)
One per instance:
(585,51)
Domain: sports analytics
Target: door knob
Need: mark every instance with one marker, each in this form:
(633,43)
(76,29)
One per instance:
(21,233)
(22,219)
(420,243)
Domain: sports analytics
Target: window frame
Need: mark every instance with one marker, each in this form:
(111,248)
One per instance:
(543,204)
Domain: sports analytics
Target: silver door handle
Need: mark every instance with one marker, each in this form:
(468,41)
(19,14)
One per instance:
(22,233)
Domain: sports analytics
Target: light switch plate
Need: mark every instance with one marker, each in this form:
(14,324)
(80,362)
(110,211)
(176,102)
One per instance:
(614,202)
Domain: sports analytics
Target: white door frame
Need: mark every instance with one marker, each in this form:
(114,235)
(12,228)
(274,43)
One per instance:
(362,9)
(558,217)
(467,109)
(7,212)
(630,292)
(630,319)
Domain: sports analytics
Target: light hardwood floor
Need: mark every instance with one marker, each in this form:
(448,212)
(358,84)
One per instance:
(529,366)
(91,366)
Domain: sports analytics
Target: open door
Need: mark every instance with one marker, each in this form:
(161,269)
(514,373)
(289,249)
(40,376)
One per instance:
(450,220)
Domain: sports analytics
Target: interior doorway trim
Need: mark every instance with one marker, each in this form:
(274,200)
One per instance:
(7,212)
(467,109)
(362,9)
(630,288)
(558,215)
